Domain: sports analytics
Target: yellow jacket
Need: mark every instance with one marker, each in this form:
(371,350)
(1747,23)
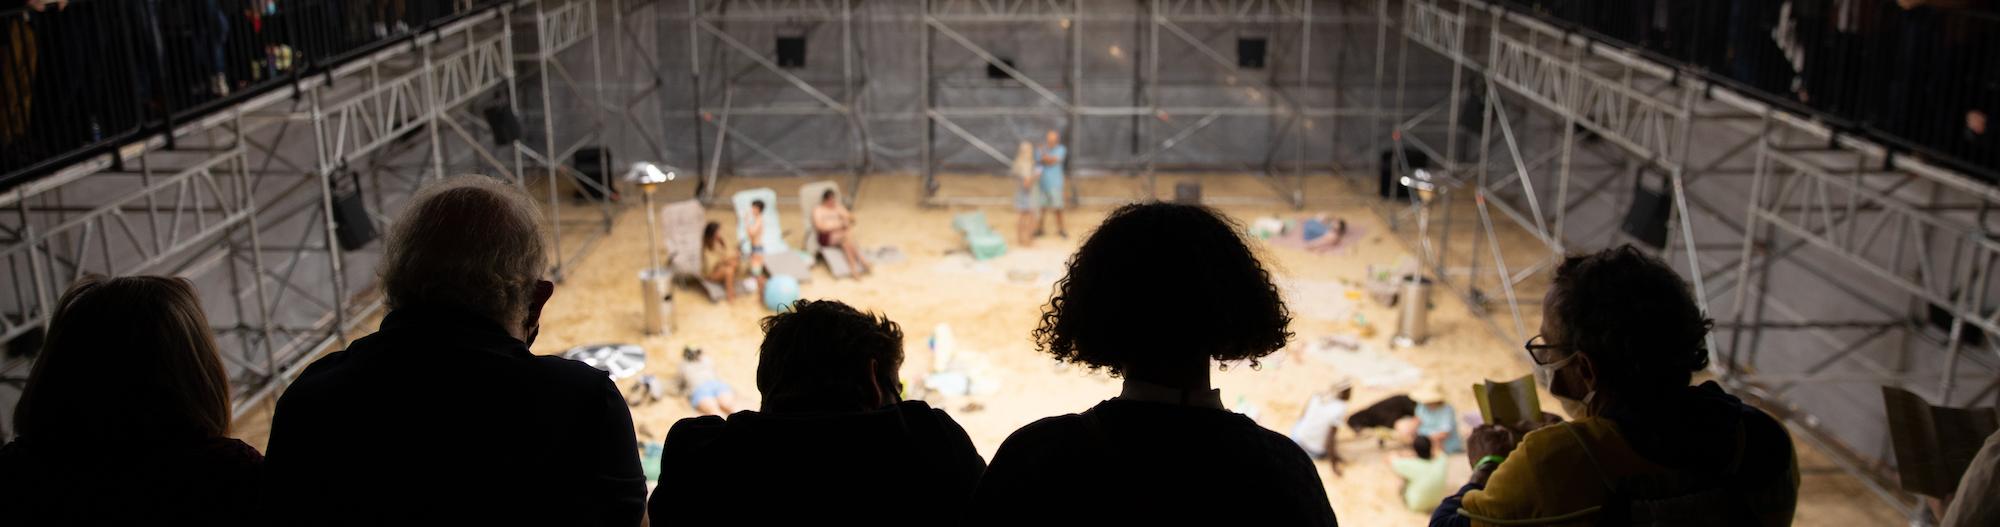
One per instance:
(1563,475)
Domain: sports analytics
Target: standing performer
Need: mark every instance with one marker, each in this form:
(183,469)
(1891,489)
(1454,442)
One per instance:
(1051,184)
(1028,198)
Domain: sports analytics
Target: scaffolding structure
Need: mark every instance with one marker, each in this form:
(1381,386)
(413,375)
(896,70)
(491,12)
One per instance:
(965,95)
(1831,264)
(251,202)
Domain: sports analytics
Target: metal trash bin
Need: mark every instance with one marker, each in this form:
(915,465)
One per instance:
(656,288)
(1413,308)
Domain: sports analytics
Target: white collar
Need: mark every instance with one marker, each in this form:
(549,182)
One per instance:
(1138,390)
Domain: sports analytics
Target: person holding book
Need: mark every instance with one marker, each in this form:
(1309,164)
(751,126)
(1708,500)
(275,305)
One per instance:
(1621,337)
(1977,501)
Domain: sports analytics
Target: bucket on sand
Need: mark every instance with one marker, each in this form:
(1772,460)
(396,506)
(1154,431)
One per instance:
(1413,322)
(656,288)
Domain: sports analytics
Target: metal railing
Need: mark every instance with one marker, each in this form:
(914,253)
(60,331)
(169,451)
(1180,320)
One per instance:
(79,78)
(1922,80)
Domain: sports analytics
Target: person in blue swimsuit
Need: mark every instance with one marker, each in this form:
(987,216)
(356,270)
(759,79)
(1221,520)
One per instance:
(1051,164)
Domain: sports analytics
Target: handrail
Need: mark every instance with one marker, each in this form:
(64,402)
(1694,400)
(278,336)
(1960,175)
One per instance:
(1906,119)
(78,83)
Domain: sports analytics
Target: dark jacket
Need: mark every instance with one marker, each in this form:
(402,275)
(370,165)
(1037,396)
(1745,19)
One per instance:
(906,464)
(135,482)
(1145,463)
(440,418)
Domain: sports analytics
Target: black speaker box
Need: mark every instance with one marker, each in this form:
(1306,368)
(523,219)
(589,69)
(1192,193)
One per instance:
(1646,221)
(1392,187)
(505,125)
(352,227)
(594,162)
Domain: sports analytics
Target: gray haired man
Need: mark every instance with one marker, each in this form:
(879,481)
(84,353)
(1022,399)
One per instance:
(443,416)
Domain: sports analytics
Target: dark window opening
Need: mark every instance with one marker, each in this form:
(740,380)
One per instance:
(1250,53)
(993,71)
(791,52)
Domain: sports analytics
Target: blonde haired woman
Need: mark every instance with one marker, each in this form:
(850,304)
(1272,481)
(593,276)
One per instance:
(1028,198)
(125,418)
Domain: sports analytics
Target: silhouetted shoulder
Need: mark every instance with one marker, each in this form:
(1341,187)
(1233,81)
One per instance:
(695,432)
(315,377)
(1048,429)
(571,373)
(952,430)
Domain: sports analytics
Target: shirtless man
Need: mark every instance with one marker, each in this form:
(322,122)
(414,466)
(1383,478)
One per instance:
(834,225)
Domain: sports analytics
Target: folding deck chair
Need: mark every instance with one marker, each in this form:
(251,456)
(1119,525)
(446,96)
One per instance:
(779,259)
(681,223)
(809,196)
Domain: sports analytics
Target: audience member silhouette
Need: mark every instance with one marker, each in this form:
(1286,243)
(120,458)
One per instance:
(443,416)
(833,445)
(125,417)
(1621,336)
(1977,500)
(1156,295)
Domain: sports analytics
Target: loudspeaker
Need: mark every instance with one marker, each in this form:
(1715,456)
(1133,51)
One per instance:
(1392,187)
(505,125)
(792,52)
(993,71)
(352,226)
(1646,221)
(1250,53)
(595,164)
(1188,192)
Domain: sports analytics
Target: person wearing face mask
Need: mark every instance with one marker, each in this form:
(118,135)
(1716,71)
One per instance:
(1620,339)
(444,416)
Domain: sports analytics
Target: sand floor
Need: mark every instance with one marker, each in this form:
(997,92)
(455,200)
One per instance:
(991,307)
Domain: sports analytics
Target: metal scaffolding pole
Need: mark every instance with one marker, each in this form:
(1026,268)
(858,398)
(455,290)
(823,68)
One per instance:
(1834,209)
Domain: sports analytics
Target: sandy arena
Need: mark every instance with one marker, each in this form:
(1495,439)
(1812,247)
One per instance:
(993,305)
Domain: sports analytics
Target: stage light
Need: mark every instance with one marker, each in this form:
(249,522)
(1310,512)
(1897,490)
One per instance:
(1419,179)
(645,173)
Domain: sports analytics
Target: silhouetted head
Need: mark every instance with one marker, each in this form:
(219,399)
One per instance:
(827,198)
(469,243)
(690,354)
(1163,283)
(711,234)
(823,356)
(757,206)
(1422,446)
(127,358)
(1633,321)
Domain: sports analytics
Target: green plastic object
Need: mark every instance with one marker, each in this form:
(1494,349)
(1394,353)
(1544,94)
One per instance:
(986,245)
(971,223)
(649,459)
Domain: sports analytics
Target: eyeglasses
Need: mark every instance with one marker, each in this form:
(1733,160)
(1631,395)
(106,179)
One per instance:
(1542,351)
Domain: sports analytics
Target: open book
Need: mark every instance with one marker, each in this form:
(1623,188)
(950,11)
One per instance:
(1506,403)
(1934,444)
